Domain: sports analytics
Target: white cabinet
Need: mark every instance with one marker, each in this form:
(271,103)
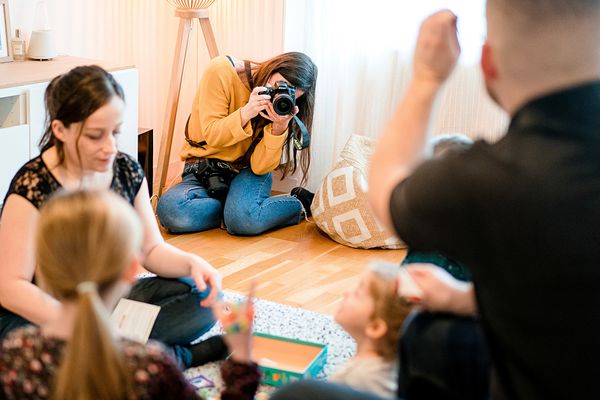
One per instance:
(22,110)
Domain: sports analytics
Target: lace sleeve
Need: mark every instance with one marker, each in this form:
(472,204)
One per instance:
(128,177)
(33,182)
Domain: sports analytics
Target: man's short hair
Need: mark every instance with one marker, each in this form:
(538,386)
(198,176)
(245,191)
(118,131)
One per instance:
(541,10)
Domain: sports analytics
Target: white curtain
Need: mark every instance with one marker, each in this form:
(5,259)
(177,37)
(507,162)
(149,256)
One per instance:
(143,33)
(363,51)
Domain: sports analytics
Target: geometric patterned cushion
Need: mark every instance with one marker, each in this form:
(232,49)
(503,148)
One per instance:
(340,209)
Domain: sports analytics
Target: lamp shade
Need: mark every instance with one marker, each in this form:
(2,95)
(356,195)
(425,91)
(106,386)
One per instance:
(191,4)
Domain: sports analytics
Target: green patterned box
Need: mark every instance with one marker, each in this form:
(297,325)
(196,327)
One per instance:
(283,360)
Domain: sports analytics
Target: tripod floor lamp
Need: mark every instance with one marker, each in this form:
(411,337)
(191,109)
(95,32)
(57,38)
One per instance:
(187,11)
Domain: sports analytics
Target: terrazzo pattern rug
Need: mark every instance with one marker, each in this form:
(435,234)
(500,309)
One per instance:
(291,322)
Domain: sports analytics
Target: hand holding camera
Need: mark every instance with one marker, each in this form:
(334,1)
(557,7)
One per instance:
(282,107)
(283,97)
(256,103)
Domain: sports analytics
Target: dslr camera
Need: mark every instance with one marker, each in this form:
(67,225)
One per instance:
(215,175)
(283,97)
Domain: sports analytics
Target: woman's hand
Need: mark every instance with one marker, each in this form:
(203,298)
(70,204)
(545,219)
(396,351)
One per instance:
(280,122)
(203,273)
(256,103)
(441,291)
(237,321)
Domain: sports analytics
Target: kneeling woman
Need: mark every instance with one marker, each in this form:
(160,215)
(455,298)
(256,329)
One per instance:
(244,117)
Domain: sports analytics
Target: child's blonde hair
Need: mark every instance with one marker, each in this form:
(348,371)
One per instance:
(85,242)
(387,306)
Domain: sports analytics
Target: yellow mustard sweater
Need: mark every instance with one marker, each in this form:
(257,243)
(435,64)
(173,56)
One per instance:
(216,119)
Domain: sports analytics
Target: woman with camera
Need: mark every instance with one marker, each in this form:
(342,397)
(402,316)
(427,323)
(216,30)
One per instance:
(245,116)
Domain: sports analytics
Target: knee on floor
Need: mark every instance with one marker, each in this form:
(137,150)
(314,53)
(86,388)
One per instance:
(246,226)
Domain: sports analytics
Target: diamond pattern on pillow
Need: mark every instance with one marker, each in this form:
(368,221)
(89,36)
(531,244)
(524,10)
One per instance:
(340,209)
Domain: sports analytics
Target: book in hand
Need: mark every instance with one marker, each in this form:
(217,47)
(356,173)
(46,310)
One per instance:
(134,320)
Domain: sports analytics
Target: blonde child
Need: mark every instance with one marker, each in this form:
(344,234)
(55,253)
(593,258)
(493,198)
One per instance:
(88,244)
(373,314)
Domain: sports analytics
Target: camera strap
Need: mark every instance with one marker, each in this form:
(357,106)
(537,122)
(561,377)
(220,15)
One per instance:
(190,141)
(304,140)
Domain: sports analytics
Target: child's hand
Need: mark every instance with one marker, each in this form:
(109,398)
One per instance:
(237,320)
(441,291)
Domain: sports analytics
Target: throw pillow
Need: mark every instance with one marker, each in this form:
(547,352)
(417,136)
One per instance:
(340,209)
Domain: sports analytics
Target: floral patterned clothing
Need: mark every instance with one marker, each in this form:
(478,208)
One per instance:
(36,183)
(29,362)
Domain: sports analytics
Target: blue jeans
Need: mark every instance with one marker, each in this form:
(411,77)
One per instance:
(10,321)
(181,319)
(248,210)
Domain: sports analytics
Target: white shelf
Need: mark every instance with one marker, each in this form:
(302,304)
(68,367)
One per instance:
(13,110)
(29,72)
(22,110)
(16,139)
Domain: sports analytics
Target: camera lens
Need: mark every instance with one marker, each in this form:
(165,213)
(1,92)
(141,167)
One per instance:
(283,104)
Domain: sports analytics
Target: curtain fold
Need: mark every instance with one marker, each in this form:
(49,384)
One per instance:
(363,51)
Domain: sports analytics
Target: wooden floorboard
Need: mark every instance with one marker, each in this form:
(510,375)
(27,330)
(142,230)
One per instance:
(297,265)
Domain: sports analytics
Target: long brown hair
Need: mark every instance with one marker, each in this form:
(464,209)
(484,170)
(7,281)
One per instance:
(387,307)
(91,237)
(301,72)
(73,97)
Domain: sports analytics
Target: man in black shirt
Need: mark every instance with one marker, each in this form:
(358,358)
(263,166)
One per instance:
(523,214)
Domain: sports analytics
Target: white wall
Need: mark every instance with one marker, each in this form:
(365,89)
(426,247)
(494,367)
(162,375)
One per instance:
(355,97)
(143,32)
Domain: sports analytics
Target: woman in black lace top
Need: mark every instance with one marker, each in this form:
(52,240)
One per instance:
(79,150)
(77,355)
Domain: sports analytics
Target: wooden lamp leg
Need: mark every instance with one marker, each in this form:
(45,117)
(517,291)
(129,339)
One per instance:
(166,142)
(209,37)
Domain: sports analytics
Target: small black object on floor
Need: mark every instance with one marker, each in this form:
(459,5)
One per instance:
(212,349)
(306,198)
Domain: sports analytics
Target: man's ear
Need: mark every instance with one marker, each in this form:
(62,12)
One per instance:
(488,66)
(58,129)
(376,328)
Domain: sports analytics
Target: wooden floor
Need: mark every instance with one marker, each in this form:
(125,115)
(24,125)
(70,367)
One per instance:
(297,265)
